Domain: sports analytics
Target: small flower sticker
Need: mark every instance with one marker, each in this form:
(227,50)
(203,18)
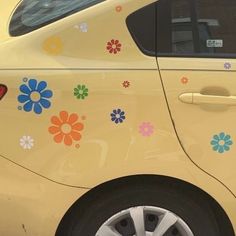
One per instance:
(221,143)
(35,96)
(126,84)
(227,66)
(83,27)
(114,46)
(146,129)
(26,142)
(81,92)
(66,128)
(118,8)
(53,45)
(184,80)
(118,116)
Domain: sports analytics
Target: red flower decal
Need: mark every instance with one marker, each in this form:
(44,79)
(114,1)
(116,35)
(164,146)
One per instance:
(3,90)
(114,46)
(126,84)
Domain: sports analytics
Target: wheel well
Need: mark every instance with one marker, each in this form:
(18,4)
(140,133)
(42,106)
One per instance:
(81,204)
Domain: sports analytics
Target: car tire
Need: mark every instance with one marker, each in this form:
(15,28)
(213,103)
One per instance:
(191,209)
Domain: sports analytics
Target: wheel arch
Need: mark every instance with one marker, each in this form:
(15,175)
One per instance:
(220,214)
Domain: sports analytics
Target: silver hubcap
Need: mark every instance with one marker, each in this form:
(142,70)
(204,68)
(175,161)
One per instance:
(144,221)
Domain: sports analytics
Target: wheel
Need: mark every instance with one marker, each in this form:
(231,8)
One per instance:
(145,210)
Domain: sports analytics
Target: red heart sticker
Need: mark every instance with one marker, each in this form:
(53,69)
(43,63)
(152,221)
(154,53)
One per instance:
(3,91)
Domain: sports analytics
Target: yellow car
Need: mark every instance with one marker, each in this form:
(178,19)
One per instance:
(117,118)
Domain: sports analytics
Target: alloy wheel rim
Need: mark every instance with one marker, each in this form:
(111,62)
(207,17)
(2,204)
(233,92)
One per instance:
(145,221)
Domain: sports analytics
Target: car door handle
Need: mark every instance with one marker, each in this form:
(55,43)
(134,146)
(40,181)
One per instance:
(198,98)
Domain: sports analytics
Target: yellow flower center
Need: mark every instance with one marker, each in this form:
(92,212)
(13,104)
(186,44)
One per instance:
(35,96)
(66,128)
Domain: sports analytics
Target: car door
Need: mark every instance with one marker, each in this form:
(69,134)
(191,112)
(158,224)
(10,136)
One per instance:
(196,56)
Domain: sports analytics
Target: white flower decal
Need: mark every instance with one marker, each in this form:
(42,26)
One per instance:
(26,142)
(83,27)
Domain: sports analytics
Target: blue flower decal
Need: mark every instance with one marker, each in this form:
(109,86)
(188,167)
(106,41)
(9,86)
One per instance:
(221,143)
(35,96)
(118,116)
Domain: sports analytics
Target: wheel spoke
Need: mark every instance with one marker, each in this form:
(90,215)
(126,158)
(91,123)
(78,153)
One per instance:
(167,221)
(137,216)
(107,231)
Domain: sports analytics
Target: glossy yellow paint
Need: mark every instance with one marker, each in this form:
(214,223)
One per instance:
(36,193)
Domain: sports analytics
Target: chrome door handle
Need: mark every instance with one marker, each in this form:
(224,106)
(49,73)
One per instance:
(198,98)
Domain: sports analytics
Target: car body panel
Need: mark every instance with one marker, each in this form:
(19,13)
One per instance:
(30,204)
(37,48)
(196,124)
(40,179)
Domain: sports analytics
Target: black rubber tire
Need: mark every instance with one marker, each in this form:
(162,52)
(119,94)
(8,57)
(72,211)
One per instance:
(193,209)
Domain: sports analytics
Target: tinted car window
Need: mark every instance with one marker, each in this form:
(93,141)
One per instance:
(33,14)
(193,27)
(142,26)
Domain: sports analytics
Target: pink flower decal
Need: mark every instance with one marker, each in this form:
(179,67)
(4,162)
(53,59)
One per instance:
(114,46)
(146,129)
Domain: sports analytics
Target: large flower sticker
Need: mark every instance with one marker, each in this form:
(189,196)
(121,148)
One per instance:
(66,128)
(114,46)
(81,92)
(35,96)
(53,45)
(118,116)
(221,142)
(146,129)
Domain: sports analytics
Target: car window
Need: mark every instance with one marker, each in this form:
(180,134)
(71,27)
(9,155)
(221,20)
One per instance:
(142,26)
(193,27)
(33,14)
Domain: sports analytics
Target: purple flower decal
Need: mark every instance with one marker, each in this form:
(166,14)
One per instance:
(118,116)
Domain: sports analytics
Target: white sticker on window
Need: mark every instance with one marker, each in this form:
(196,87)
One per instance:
(215,43)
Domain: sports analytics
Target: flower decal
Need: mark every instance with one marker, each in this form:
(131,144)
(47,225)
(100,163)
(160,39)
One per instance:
(221,142)
(81,91)
(184,80)
(26,142)
(118,8)
(227,66)
(126,84)
(146,129)
(118,116)
(83,27)
(3,90)
(53,45)
(35,96)
(66,128)
(114,46)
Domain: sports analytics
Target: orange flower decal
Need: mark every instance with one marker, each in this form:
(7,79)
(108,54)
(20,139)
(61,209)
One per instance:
(66,128)
(53,45)
(184,80)
(119,8)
